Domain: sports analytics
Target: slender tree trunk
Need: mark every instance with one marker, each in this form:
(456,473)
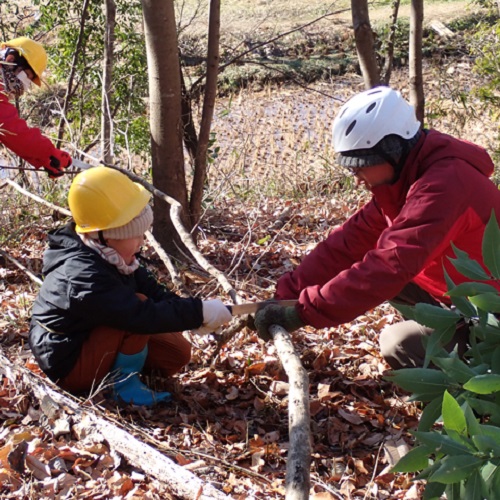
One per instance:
(365,45)
(200,163)
(189,130)
(165,117)
(69,89)
(389,56)
(107,78)
(417,97)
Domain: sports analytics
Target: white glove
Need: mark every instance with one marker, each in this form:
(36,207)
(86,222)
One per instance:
(215,314)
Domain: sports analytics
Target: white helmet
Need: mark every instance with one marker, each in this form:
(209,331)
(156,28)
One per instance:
(368,117)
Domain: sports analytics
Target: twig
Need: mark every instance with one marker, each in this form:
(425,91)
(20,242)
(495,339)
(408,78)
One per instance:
(174,275)
(222,67)
(374,470)
(16,186)
(38,281)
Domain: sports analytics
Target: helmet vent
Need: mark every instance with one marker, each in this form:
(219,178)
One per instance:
(370,107)
(350,127)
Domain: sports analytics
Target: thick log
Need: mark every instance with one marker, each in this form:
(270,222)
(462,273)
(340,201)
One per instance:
(178,480)
(298,480)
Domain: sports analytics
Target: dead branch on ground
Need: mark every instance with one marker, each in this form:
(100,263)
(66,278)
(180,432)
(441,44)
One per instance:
(54,403)
(298,465)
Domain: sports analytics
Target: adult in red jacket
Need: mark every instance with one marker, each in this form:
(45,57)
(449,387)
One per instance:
(429,190)
(22,62)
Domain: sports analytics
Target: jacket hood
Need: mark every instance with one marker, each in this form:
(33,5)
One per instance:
(64,242)
(436,146)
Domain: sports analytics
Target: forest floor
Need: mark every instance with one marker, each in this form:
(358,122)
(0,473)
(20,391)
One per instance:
(273,193)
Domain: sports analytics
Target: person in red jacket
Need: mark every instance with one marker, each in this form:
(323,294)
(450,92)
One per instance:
(22,62)
(429,190)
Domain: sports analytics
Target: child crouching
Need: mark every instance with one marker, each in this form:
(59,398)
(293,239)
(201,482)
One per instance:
(99,313)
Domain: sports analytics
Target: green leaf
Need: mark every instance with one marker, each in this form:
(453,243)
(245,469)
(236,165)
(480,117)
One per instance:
(491,246)
(424,382)
(493,482)
(489,302)
(415,460)
(431,413)
(475,487)
(495,360)
(473,425)
(487,445)
(492,432)
(468,267)
(434,343)
(453,417)
(471,288)
(441,443)
(485,408)
(455,491)
(455,368)
(484,384)
(264,240)
(461,303)
(456,468)
(435,317)
(408,312)
(433,491)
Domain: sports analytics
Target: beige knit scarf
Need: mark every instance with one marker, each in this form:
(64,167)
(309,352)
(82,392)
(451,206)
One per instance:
(110,255)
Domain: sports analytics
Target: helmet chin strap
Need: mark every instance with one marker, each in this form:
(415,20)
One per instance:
(102,240)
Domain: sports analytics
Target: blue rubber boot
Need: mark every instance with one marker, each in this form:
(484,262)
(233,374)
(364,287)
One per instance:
(128,387)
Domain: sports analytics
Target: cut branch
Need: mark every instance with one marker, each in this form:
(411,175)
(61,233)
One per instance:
(299,418)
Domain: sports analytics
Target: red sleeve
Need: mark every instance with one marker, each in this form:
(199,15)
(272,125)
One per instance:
(344,246)
(333,293)
(24,141)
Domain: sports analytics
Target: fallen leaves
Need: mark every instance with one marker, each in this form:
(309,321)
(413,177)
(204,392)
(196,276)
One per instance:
(229,420)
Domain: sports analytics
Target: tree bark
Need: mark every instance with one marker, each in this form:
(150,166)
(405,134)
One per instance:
(107,79)
(389,56)
(69,88)
(417,98)
(200,162)
(298,482)
(365,46)
(165,118)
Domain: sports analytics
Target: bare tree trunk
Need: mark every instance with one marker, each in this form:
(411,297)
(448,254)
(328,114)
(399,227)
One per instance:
(69,89)
(200,163)
(365,45)
(189,130)
(417,97)
(165,117)
(389,56)
(107,78)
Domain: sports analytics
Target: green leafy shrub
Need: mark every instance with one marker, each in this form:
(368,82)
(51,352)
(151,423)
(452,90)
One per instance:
(458,439)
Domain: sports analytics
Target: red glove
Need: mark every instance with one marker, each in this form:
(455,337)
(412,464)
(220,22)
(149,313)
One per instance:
(58,162)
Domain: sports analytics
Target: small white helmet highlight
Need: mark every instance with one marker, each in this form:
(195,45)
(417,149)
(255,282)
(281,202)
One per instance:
(368,117)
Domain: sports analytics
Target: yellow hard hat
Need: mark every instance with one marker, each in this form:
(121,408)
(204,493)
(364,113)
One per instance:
(102,198)
(33,52)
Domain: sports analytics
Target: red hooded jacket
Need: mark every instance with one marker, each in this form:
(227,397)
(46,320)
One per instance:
(24,141)
(404,233)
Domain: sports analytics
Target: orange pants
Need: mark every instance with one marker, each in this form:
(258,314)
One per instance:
(167,354)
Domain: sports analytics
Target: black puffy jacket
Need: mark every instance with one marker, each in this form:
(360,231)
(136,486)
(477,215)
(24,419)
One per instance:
(82,291)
